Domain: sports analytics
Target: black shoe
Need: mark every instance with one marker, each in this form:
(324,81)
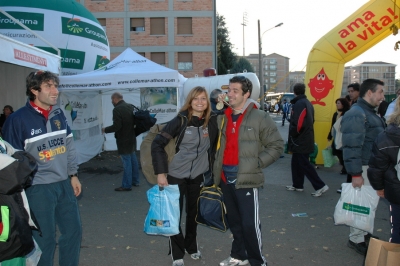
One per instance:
(135,185)
(122,189)
(360,248)
(367,237)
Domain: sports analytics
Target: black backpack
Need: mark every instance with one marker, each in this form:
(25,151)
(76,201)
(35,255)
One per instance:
(16,235)
(143,120)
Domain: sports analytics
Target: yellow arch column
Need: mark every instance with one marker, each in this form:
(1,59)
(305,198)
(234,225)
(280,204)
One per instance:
(325,64)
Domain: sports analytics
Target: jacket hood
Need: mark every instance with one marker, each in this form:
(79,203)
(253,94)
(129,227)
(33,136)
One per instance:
(393,133)
(248,102)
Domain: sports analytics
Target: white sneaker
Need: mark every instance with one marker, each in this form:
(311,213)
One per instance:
(232,262)
(196,256)
(292,188)
(319,192)
(178,262)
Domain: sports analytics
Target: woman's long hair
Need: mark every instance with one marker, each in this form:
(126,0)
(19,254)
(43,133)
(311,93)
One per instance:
(394,118)
(188,104)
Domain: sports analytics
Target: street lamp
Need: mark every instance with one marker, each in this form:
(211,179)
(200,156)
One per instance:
(260,68)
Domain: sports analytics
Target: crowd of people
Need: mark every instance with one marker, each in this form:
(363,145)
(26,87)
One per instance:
(232,145)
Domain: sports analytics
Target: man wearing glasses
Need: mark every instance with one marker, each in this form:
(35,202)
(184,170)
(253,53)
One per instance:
(249,142)
(40,128)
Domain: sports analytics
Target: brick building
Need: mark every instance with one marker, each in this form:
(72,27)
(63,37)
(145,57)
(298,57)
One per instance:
(275,71)
(179,34)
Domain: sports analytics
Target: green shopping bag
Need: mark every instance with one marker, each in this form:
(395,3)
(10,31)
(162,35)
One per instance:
(329,159)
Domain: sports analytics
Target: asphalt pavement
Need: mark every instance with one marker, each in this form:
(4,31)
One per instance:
(113,221)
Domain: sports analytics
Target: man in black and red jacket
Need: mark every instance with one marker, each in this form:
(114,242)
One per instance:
(301,143)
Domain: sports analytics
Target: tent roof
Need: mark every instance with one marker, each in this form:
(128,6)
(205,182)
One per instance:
(22,54)
(128,70)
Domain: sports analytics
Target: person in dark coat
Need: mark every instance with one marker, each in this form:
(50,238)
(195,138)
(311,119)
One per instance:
(342,106)
(360,126)
(124,128)
(7,110)
(382,173)
(301,143)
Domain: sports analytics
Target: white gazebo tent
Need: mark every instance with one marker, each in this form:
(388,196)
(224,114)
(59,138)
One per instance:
(128,73)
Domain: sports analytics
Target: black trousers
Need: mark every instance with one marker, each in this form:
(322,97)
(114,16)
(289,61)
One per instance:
(244,222)
(301,167)
(189,190)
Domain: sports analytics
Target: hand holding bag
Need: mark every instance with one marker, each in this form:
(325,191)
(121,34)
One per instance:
(356,207)
(163,215)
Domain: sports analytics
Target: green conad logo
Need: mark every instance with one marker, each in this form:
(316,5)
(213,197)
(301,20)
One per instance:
(356,208)
(69,58)
(77,27)
(34,21)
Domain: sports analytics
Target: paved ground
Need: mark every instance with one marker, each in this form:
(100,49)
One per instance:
(113,221)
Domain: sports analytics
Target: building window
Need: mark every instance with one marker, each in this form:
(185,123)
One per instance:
(157,26)
(102,22)
(184,26)
(141,53)
(272,74)
(266,67)
(272,67)
(272,61)
(137,24)
(265,73)
(185,61)
(158,58)
(272,80)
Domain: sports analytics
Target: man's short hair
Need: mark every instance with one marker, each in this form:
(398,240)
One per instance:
(355,86)
(35,79)
(299,88)
(247,86)
(117,95)
(370,84)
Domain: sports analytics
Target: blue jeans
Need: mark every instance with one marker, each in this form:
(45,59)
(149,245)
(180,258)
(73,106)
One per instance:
(131,170)
(55,204)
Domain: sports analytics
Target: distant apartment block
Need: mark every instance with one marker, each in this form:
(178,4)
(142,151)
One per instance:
(275,71)
(296,77)
(179,34)
(376,70)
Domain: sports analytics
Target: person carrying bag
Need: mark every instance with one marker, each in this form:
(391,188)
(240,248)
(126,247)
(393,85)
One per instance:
(196,139)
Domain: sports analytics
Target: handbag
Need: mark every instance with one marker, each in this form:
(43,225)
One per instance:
(356,207)
(211,210)
(143,120)
(337,134)
(329,159)
(164,213)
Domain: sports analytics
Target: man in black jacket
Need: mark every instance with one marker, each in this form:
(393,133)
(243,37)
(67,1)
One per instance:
(301,143)
(124,128)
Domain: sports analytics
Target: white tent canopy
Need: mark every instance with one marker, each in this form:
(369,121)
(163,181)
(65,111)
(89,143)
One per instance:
(87,97)
(128,70)
(17,60)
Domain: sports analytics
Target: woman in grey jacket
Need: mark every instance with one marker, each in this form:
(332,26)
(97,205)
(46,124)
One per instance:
(196,130)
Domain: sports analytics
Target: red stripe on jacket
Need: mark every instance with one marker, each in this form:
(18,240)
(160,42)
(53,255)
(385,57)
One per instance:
(301,119)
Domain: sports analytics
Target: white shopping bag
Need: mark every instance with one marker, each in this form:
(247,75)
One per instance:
(356,207)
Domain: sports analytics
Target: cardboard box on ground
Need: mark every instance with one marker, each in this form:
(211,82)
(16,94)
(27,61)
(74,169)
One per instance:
(381,253)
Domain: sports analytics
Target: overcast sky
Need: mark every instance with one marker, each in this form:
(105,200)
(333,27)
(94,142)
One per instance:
(304,23)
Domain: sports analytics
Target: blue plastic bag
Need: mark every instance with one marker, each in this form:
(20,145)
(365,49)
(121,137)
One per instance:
(163,215)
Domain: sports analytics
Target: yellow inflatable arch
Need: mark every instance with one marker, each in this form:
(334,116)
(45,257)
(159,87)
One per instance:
(325,64)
